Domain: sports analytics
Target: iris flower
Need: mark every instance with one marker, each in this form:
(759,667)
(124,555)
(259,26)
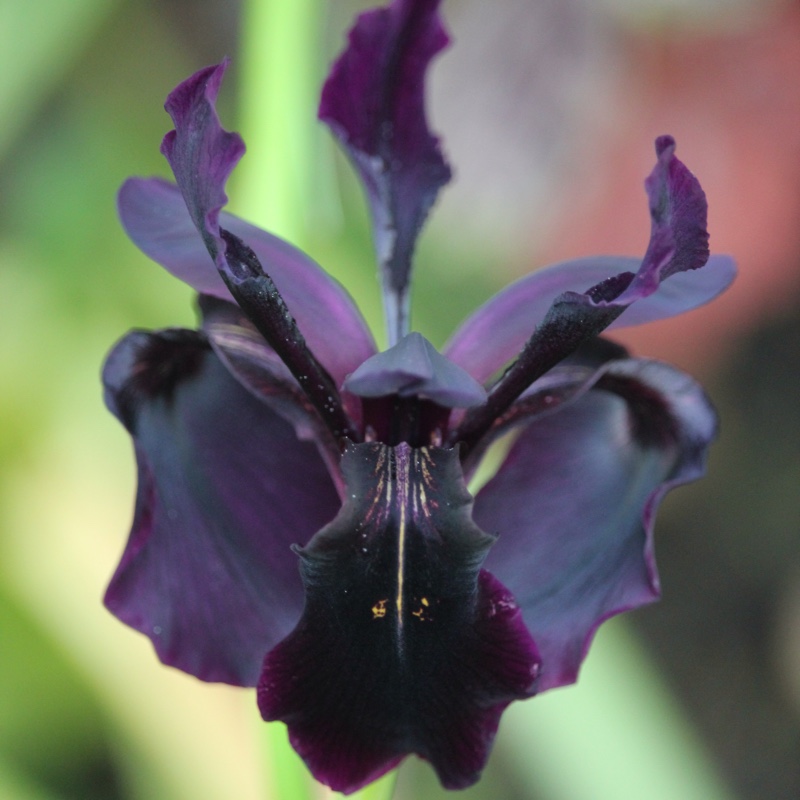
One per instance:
(302,522)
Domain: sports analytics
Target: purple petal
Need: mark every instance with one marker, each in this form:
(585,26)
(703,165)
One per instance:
(373,102)
(225,488)
(155,217)
(413,367)
(678,242)
(678,210)
(497,331)
(405,644)
(574,504)
(202,155)
(259,369)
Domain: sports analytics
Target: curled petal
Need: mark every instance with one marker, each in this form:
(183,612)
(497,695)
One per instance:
(373,102)
(563,319)
(574,504)
(678,210)
(405,644)
(202,155)
(156,219)
(497,331)
(225,489)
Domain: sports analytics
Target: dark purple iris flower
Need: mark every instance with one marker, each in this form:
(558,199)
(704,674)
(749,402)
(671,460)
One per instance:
(277,436)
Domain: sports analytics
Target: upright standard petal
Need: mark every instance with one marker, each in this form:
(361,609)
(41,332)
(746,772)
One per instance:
(574,503)
(373,102)
(225,489)
(405,644)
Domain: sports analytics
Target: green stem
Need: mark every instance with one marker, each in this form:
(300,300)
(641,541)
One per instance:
(279,92)
(620,724)
(381,789)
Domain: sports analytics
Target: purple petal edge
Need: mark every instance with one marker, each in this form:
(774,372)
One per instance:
(497,331)
(225,488)
(154,215)
(574,504)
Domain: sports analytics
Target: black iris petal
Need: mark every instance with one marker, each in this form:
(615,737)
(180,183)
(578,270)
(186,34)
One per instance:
(405,644)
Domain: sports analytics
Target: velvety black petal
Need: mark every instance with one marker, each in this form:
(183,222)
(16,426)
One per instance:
(225,488)
(405,645)
(574,503)
(373,102)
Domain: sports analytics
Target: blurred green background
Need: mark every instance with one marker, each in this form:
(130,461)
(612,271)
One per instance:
(547,111)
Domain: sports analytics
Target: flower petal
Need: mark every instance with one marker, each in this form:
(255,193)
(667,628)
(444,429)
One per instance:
(405,644)
(373,102)
(242,349)
(678,242)
(155,217)
(413,367)
(202,155)
(574,504)
(497,331)
(225,488)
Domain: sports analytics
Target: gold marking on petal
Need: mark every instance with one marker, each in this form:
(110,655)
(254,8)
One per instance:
(400,557)
(379,609)
(420,613)
(401,543)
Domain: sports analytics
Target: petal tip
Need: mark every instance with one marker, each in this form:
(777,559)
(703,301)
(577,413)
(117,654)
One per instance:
(665,143)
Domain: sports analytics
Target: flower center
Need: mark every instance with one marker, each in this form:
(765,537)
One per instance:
(394,419)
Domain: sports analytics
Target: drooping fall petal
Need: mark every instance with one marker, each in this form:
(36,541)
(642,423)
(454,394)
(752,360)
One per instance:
(573,504)
(405,645)
(225,489)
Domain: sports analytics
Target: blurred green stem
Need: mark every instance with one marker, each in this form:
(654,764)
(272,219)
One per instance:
(617,735)
(279,89)
(381,789)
